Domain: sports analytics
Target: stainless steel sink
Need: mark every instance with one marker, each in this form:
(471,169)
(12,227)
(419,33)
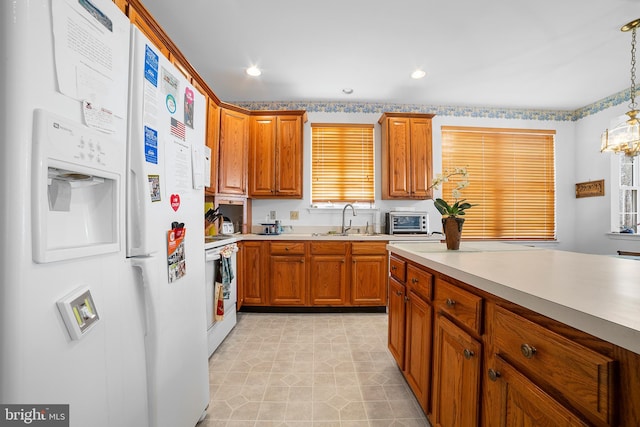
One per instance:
(338,234)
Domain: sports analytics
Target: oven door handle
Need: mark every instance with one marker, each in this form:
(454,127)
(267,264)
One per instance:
(211,256)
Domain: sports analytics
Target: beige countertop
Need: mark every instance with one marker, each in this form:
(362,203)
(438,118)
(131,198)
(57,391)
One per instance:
(349,237)
(597,294)
(221,240)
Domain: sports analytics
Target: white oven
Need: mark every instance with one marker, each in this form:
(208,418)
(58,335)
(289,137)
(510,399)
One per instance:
(218,330)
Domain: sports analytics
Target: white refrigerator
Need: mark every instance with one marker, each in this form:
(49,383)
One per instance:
(115,331)
(63,131)
(165,232)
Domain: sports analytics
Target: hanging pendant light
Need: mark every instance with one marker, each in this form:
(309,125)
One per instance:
(624,136)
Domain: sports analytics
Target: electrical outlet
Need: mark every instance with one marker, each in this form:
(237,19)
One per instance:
(272,215)
(294,215)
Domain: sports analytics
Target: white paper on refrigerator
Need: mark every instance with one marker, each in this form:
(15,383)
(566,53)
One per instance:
(88,44)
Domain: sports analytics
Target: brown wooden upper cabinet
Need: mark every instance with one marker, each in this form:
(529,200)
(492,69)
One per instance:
(406,155)
(122,5)
(142,20)
(275,155)
(234,141)
(213,139)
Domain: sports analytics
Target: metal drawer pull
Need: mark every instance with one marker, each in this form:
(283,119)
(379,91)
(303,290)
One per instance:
(399,293)
(394,268)
(414,280)
(450,302)
(527,350)
(494,375)
(468,354)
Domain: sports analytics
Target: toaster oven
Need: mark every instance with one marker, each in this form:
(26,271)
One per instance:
(407,223)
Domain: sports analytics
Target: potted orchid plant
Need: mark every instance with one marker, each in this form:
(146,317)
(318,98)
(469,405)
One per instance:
(451,212)
(459,206)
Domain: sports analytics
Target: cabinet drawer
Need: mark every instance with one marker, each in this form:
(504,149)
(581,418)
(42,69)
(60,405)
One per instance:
(329,248)
(287,248)
(583,377)
(368,248)
(463,306)
(420,281)
(398,268)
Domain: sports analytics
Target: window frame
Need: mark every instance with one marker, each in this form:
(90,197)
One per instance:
(339,202)
(616,222)
(537,185)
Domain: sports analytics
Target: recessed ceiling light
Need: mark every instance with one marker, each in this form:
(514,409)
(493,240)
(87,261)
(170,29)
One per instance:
(418,74)
(347,91)
(254,71)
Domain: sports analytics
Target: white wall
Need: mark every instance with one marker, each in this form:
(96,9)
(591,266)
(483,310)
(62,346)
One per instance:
(565,173)
(593,214)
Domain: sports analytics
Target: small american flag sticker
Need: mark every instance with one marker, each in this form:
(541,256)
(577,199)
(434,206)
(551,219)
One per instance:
(177,128)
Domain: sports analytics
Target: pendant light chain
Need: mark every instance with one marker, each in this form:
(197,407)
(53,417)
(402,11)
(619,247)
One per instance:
(624,137)
(633,70)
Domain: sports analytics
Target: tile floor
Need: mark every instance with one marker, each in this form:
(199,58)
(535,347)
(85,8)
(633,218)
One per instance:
(309,370)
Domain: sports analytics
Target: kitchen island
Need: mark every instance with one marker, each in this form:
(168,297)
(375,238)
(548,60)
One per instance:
(500,332)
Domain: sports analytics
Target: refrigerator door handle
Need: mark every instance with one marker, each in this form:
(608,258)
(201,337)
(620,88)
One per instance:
(149,274)
(137,233)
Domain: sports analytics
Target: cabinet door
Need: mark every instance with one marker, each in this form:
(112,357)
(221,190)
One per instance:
(122,5)
(421,169)
(213,135)
(418,348)
(262,154)
(234,134)
(138,19)
(252,271)
(399,149)
(525,404)
(287,280)
(456,375)
(175,60)
(369,280)
(328,279)
(289,157)
(396,309)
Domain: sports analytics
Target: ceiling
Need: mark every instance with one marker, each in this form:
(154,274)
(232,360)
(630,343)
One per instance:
(542,54)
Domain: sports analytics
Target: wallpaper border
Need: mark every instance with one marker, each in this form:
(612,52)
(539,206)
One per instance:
(440,110)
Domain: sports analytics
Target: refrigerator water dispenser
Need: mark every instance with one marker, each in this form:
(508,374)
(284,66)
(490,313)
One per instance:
(76,190)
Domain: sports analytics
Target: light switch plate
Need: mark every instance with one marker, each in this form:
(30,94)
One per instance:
(294,215)
(78,312)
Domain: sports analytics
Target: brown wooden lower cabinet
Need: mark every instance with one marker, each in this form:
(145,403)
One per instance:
(417,368)
(287,280)
(522,403)
(313,273)
(396,322)
(410,327)
(328,273)
(252,273)
(369,273)
(287,273)
(456,375)
(473,359)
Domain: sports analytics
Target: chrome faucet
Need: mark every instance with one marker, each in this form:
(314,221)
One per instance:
(345,229)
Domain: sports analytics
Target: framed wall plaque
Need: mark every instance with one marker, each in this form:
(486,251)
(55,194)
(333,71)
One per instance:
(590,189)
